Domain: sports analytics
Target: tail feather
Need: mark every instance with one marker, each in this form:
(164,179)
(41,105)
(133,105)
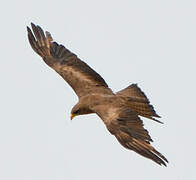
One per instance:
(139,102)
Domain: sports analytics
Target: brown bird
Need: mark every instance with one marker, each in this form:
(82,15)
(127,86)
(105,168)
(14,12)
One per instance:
(119,111)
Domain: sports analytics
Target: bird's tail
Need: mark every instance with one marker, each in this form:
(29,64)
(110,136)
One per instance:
(139,102)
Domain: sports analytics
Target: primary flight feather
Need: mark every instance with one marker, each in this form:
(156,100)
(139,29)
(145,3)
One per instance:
(119,111)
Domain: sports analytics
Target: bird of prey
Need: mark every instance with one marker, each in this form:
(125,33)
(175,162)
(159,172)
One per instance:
(119,111)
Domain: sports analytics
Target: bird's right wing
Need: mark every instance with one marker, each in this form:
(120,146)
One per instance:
(82,78)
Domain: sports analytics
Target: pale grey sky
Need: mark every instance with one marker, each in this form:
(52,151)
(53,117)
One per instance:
(152,43)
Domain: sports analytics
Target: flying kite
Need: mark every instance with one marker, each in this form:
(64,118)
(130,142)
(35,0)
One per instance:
(119,111)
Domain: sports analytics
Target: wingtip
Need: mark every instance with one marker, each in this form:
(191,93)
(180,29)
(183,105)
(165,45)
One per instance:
(34,28)
(158,116)
(158,121)
(28,29)
(161,157)
(32,24)
(161,162)
(164,162)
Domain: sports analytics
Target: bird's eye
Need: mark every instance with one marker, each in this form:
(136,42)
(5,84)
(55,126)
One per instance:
(76,112)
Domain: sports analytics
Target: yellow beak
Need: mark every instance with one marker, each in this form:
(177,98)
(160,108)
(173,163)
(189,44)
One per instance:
(72,116)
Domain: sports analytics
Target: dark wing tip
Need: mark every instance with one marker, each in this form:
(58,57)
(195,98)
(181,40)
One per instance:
(28,29)
(160,155)
(38,41)
(157,116)
(156,120)
(33,25)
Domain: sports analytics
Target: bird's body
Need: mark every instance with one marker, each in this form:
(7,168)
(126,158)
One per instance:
(119,111)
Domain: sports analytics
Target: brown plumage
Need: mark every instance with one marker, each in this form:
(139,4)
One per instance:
(119,111)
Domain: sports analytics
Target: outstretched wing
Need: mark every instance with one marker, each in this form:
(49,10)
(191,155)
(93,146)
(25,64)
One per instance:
(128,128)
(82,78)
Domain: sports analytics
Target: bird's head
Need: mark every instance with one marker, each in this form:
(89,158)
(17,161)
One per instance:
(75,112)
(80,109)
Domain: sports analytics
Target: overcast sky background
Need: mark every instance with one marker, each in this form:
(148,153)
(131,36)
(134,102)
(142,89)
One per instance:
(152,43)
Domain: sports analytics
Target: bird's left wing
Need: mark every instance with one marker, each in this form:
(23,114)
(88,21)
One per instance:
(128,128)
(82,78)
